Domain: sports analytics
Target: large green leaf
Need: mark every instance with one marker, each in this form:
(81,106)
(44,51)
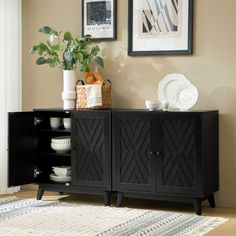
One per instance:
(68,57)
(52,62)
(99,61)
(33,49)
(40,61)
(95,50)
(45,30)
(43,47)
(67,36)
(55,48)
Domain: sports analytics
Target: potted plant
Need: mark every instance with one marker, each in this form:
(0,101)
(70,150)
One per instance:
(67,52)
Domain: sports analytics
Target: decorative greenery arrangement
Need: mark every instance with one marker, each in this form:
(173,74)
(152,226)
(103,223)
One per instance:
(67,52)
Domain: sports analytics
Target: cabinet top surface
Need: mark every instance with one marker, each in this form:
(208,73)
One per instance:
(123,110)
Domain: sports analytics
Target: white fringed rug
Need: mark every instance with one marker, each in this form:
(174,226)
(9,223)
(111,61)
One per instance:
(23,217)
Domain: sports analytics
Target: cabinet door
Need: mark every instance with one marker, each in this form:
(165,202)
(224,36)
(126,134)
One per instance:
(178,166)
(20,148)
(91,148)
(133,166)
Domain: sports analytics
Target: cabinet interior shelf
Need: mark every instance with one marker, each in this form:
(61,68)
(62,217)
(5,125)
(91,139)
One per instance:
(55,130)
(54,154)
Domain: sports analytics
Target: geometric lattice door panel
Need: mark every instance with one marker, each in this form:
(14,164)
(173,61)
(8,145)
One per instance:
(133,167)
(91,157)
(179,160)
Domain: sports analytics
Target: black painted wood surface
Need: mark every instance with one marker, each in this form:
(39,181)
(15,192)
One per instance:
(21,146)
(169,156)
(180,148)
(91,149)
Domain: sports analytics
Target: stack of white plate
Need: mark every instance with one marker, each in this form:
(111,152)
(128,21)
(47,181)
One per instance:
(61,174)
(177,90)
(61,144)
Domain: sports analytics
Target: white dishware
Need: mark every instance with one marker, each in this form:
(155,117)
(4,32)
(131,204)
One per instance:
(61,147)
(61,139)
(67,123)
(187,97)
(152,105)
(62,170)
(165,105)
(177,90)
(55,122)
(61,179)
(170,86)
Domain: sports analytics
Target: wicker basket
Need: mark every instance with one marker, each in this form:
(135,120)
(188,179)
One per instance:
(81,101)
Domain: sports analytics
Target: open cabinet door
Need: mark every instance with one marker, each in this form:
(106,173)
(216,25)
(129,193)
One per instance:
(20,148)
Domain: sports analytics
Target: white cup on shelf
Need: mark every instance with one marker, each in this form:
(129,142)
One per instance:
(67,123)
(55,122)
(165,105)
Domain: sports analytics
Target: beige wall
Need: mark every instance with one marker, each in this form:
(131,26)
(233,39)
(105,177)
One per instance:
(212,68)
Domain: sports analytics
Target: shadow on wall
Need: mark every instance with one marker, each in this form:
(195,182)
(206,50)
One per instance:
(224,98)
(130,85)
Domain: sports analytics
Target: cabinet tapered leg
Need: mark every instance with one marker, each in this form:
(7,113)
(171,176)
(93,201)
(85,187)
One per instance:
(197,204)
(107,198)
(120,199)
(211,201)
(40,193)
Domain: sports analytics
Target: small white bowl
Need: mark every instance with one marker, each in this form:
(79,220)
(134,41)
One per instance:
(152,105)
(61,147)
(61,139)
(62,171)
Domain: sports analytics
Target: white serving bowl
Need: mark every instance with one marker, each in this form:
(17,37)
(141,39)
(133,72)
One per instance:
(152,105)
(61,147)
(61,139)
(61,179)
(62,170)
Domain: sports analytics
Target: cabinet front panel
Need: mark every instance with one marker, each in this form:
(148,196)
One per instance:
(133,167)
(180,161)
(21,144)
(90,157)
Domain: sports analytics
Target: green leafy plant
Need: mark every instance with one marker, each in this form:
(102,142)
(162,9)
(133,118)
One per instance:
(66,51)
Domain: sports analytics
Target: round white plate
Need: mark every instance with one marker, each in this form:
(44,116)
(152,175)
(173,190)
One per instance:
(169,88)
(61,179)
(187,97)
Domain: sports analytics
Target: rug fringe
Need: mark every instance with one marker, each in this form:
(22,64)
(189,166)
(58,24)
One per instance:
(207,226)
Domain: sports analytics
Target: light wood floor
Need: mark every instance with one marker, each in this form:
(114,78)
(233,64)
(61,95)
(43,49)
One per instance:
(227,229)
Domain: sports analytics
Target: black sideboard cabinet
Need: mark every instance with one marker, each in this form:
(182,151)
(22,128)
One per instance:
(31,158)
(170,156)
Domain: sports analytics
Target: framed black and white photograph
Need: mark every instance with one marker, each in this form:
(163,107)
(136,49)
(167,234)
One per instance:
(160,27)
(99,19)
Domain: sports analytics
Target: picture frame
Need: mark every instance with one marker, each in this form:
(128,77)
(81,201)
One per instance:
(99,19)
(160,27)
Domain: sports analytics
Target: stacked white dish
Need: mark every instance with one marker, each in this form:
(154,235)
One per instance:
(177,90)
(61,144)
(61,174)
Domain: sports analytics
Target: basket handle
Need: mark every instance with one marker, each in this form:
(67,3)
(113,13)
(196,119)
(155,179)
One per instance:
(82,82)
(106,81)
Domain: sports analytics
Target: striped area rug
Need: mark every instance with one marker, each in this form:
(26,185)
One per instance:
(23,217)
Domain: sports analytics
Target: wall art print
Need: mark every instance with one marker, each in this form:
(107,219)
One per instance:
(99,19)
(162,27)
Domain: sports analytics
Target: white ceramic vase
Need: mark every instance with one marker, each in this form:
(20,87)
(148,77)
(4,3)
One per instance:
(69,93)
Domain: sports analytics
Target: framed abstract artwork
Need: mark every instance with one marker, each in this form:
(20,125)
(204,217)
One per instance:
(99,19)
(160,27)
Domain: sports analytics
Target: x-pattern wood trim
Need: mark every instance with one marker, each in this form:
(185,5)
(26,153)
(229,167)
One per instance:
(90,139)
(135,160)
(179,153)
